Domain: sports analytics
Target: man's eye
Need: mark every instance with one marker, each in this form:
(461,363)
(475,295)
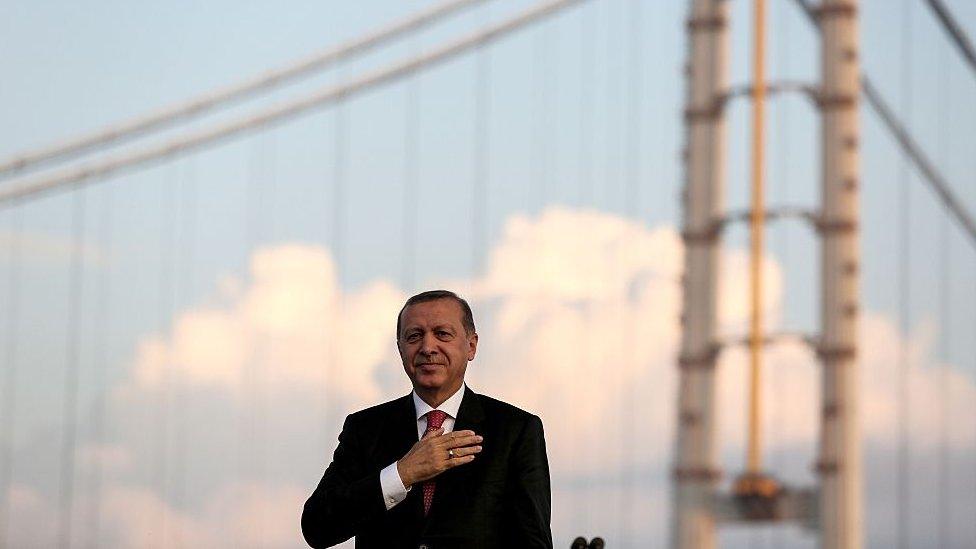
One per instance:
(413,338)
(444,335)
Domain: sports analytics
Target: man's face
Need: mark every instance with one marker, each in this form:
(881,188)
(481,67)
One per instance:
(434,347)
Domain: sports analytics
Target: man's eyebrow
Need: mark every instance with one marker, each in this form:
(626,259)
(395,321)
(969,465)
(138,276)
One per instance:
(444,327)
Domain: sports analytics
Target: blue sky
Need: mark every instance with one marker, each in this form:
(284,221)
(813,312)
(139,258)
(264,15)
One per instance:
(561,103)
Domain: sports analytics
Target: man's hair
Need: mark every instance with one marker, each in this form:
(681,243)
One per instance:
(467,319)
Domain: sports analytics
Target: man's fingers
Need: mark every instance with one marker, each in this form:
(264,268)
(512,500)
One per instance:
(459,461)
(460,442)
(466,451)
(435,433)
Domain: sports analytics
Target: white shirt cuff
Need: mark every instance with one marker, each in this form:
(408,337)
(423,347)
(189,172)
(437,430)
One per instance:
(393,490)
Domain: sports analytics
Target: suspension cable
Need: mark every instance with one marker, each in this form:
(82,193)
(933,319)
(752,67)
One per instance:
(610,100)
(945,395)
(411,184)
(266,341)
(904,288)
(203,104)
(101,357)
(909,147)
(161,423)
(260,222)
(245,425)
(539,160)
(973,323)
(955,31)
(69,411)
(783,55)
(611,174)
(33,188)
(633,117)
(338,242)
(482,112)
(587,48)
(632,209)
(587,64)
(10,377)
(183,288)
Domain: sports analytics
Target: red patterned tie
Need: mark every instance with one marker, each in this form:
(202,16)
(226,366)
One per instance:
(434,420)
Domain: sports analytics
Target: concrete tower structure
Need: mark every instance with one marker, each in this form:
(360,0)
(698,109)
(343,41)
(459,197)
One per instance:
(696,471)
(833,507)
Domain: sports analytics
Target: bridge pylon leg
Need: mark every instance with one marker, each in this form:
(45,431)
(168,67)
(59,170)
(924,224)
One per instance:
(696,470)
(834,507)
(839,463)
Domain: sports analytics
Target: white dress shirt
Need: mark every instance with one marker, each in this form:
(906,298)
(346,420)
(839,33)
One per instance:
(393,489)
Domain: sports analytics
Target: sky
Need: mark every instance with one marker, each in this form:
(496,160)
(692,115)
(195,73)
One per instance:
(231,306)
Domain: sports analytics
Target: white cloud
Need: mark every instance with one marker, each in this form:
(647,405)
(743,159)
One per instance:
(29,517)
(578,315)
(238,515)
(881,344)
(257,515)
(289,328)
(137,517)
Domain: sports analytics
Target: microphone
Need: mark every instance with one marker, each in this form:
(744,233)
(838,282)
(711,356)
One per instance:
(596,543)
(579,543)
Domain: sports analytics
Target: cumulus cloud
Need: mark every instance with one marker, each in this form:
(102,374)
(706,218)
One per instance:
(229,418)
(238,515)
(583,329)
(286,326)
(26,512)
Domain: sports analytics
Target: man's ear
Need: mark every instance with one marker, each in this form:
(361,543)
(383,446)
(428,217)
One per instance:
(472,345)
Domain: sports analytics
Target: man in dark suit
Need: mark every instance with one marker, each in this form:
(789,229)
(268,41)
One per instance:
(478,476)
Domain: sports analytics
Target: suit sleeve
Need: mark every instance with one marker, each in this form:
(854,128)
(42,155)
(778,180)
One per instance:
(346,498)
(532,494)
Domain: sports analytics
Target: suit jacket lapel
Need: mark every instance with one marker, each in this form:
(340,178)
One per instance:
(403,426)
(470,414)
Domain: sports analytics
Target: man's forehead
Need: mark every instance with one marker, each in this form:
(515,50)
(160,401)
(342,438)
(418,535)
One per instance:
(438,311)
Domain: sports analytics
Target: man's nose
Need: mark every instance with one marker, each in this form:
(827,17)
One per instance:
(429,346)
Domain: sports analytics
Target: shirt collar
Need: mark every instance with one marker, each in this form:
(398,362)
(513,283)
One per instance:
(449,406)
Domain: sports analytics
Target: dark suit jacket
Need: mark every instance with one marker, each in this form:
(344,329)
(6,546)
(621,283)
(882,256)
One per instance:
(501,499)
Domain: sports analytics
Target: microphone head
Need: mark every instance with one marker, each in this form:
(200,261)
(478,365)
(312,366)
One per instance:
(579,543)
(597,543)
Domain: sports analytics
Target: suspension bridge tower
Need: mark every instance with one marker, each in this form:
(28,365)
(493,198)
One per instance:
(831,508)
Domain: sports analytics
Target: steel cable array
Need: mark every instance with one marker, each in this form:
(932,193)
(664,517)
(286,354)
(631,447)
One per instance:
(231,95)
(21,191)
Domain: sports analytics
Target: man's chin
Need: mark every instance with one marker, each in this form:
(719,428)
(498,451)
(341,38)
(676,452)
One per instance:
(429,381)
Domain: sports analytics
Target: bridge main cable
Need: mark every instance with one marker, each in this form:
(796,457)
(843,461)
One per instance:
(203,104)
(909,146)
(42,185)
(955,31)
